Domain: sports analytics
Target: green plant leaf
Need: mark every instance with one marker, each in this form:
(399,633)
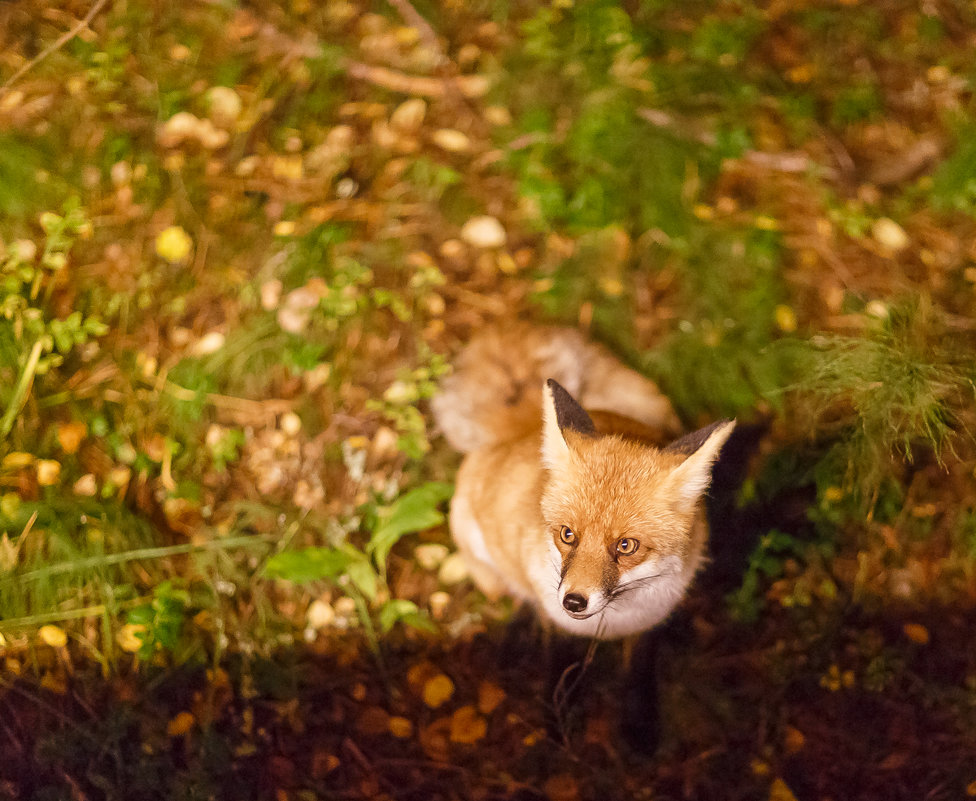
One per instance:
(362,574)
(412,511)
(400,610)
(309,564)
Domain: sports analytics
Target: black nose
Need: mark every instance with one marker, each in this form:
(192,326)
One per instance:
(574,602)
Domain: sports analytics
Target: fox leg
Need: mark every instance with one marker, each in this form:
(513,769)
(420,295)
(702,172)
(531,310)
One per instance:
(640,719)
(470,541)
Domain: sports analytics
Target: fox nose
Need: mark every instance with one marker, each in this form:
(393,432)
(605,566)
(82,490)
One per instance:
(574,602)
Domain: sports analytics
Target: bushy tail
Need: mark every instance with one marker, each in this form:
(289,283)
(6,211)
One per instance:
(495,391)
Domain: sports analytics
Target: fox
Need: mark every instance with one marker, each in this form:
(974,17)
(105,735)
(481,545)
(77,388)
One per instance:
(576,505)
(576,494)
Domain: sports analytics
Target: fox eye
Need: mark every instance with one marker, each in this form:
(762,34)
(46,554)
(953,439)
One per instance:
(567,535)
(627,546)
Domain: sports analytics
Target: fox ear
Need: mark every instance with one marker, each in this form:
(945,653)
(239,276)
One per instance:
(691,478)
(561,413)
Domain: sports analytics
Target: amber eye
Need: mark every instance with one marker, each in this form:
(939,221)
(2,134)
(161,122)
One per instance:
(627,546)
(567,535)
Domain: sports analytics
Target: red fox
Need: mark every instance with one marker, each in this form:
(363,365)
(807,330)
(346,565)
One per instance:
(588,516)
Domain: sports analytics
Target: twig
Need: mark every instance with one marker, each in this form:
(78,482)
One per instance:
(468,86)
(454,82)
(416,20)
(56,45)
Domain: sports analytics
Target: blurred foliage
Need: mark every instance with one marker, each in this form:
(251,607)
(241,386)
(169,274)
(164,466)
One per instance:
(227,337)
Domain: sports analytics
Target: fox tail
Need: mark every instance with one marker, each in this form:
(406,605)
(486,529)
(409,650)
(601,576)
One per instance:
(494,393)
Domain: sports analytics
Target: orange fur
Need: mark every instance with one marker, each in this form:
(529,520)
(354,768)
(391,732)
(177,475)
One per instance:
(532,474)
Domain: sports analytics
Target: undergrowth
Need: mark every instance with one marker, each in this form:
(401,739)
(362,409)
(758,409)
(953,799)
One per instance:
(214,364)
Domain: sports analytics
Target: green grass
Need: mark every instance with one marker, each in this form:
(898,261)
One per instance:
(901,388)
(618,184)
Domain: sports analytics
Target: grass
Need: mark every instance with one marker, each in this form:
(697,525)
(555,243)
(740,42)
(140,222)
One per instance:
(272,378)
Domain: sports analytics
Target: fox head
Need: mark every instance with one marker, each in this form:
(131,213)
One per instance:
(621,514)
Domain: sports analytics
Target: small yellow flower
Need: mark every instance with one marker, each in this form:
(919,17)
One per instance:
(173,244)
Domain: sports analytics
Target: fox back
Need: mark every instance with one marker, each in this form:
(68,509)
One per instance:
(583,515)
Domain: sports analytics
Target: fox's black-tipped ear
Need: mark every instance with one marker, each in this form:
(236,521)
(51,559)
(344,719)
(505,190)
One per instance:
(560,412)
(690,479)
(569,414)
(690,443)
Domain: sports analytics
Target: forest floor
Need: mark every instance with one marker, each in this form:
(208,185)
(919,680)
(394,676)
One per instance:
(240,245)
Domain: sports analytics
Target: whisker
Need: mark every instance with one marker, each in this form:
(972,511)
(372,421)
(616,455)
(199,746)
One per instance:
(635,584)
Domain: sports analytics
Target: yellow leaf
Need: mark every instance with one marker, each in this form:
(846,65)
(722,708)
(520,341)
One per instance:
(48,472)
(9,554)
(437,690)
(17,460)
(400,728)
(54,682)
(794,740)
(780,791)
(70,436)
(467,726)
(288,168)
(173,244)
(785,319)
(916,632)
(490,695)
(181,724)
(128,638)
(53,636)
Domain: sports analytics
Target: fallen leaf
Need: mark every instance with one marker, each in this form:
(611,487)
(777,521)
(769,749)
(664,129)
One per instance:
(467,726)
(9,554)
(437,690)
(48,472)
(484,232)
(451,140)
(86,486)
(53,636)
(70,436)
(320,614)
(780,791)
(173,244)
(323,763)
(54,682)
(128,637)
(917,633)
(16,460)
(794,740)
(435,739)
(562,787)
(224,105)
(430,555)
(889,234)
(209,343)
(453,570)
(400,727)
(180,724)
(490,695)
(438,603)
(409,115)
